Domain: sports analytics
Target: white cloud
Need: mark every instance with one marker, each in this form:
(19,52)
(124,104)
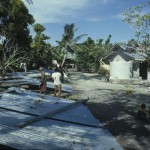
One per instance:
(52,11)
(95,18)
(47,11)
(106,1)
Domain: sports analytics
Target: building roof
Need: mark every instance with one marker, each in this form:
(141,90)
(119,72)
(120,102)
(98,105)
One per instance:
(124,46)
(137,56)
(132,52)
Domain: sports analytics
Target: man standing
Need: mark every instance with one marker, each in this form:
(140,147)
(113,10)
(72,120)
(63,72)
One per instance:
(23,67)
(107,75)
(57,81)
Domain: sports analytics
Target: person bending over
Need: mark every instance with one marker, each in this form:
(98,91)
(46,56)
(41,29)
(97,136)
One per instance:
(57,82)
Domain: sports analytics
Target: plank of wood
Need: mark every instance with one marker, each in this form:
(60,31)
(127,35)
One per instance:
(52,113)
(103,125)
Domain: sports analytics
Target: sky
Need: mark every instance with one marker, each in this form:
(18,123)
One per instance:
(96,18)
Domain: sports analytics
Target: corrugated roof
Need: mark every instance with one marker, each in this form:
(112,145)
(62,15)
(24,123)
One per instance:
(48,133)
(136,56)
(124,46)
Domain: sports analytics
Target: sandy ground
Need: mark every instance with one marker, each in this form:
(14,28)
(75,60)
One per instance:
(116,103)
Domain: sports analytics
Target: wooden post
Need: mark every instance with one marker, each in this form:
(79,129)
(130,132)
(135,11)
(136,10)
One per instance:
(53,113)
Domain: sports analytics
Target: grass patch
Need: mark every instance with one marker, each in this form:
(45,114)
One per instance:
(73,97)
(129,90)
(38,101)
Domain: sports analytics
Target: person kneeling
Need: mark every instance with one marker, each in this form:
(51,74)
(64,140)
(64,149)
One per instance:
(142,112)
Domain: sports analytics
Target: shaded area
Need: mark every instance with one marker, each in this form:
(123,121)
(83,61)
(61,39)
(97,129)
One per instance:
(117,104)
(121,113)
(3,147)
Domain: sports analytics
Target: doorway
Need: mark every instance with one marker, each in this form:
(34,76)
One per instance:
(143,70)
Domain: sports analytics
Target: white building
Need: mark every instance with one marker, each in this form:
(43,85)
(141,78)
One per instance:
(127,62)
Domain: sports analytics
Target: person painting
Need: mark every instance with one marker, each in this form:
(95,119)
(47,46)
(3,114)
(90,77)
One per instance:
(43,87)
(57,81)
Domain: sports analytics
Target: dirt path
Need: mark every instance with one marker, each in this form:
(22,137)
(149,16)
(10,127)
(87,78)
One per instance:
(118,104)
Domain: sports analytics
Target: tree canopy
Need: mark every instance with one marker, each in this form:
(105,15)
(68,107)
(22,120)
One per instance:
(138,17)
(89,53)
(15,20)
(15,38)
(41,50)
(68,39)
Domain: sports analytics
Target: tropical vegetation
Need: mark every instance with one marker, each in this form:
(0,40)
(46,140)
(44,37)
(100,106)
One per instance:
(17,44)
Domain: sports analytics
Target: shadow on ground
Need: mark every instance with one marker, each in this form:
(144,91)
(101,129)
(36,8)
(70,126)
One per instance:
(121,113)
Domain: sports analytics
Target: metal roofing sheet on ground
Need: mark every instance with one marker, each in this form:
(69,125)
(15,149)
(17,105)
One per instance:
(25,78)
(57,135)
(34,103)
(47,133)
(50,134)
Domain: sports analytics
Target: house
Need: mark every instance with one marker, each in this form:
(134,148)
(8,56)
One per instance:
(127,62)
(70,56)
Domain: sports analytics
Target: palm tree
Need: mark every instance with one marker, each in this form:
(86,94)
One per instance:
(90,53)
(30,1)
(68,39)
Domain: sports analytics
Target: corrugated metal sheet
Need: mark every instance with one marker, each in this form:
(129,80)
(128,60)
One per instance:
(50,134)
(74,129)
(137,56)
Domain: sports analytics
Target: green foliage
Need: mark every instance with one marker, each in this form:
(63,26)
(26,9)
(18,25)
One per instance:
(68,39)
(41,50)
(129,90)
(58,53)
(85,60)
(90,52)
(38,28)
(68,33)
(15,19)
(10,54)
(14,33)
(139,19)
(38,101)
(102,71)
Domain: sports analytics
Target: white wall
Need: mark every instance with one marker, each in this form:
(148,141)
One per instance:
(136,69)
(121,70)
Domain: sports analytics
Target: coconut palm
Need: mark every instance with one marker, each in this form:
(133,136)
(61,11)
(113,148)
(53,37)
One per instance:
(30,1)
(68,39)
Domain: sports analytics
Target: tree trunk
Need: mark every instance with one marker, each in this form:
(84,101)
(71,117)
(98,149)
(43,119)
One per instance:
(2,70)
(62,64)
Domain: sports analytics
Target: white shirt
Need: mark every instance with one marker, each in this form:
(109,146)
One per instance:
(23,66)
(56,76)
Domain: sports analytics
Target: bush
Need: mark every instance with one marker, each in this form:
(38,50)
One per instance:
(101,71)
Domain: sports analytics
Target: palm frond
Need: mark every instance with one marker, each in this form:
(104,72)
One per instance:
(78,38)
(30,1)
